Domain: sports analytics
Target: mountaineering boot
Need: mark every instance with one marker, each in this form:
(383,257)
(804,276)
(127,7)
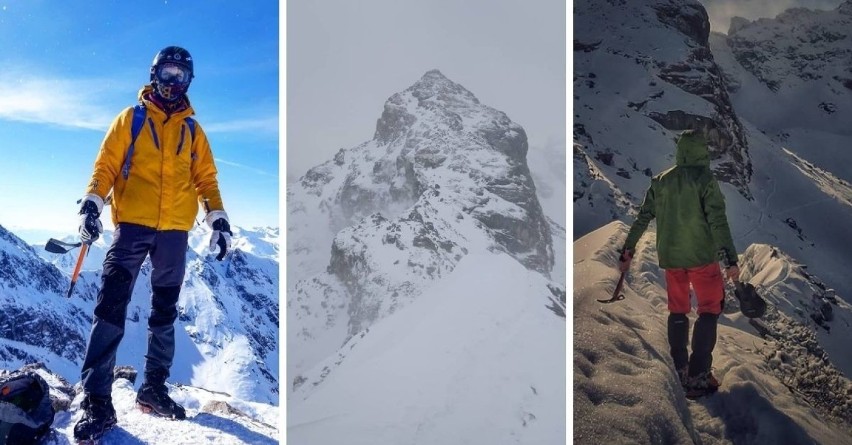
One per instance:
(155,399)
(701,380)
(98,418)
(678,333)
(701,385)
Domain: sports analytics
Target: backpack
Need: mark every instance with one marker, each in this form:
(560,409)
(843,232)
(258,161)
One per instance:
(136,125)
(26,412)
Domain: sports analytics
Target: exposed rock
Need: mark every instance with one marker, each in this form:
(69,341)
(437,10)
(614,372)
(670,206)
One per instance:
(690,19)
(125,372)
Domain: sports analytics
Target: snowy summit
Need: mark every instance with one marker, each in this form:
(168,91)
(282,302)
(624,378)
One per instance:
(440,198)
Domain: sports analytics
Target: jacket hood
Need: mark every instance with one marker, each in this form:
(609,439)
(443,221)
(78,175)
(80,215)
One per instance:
(692,150)
(144,97)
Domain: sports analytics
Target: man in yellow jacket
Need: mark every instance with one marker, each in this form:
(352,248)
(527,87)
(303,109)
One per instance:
(157,163)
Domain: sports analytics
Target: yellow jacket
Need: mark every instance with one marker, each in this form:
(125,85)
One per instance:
(165,184)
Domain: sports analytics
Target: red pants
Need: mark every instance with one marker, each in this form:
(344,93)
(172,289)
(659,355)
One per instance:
(707,283)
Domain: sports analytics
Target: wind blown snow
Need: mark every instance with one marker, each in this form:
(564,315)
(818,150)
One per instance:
(477,358)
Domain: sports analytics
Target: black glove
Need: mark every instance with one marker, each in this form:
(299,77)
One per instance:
(90,224)
(221,236)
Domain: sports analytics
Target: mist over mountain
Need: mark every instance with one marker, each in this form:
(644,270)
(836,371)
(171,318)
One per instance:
(441,197)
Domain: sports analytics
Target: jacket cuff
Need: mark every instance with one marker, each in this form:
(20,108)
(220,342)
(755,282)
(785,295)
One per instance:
(214,215)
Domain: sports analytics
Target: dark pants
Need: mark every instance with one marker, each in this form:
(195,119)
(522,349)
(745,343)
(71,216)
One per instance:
(132,243)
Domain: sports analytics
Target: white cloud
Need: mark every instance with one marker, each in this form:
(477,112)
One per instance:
(265,125)
(63,102)
(84,103)
(245,167)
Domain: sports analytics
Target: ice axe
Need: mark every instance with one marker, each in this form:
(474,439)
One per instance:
(56,246)
(617,295)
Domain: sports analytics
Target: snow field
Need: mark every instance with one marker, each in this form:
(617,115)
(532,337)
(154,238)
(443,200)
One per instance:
(477,358)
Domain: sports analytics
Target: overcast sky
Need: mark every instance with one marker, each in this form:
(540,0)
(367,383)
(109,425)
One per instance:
(345,59)
(721,11)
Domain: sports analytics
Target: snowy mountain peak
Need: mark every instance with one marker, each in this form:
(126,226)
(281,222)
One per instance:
(437,86)
(369,230)
(433,99)
(798,46)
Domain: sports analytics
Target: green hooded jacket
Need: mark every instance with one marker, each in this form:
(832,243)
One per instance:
(692,227)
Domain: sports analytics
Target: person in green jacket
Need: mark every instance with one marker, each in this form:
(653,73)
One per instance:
(692,233)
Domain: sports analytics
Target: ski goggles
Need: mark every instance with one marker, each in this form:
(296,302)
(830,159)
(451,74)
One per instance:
(172,74)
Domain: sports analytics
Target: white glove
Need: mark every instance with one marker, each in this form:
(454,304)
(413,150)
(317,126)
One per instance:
(90,223)
(221,237)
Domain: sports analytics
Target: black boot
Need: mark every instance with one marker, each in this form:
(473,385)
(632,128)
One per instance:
(98,418)
(678,330)
(155,398)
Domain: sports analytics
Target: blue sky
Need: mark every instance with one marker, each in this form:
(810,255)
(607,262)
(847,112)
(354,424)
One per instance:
(68,68)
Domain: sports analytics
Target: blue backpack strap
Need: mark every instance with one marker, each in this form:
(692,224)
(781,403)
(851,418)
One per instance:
(190,122)
(135,128)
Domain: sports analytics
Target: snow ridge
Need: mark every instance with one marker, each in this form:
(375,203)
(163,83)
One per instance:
(779,388)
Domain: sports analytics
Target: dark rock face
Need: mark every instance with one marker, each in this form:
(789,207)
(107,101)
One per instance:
(42,328)
(699,74)
(690,19)
(662,44)
(718,138)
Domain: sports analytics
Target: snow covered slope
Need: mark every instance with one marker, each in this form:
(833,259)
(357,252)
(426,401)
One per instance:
(782,388)
(370,230)
(478,358)
(37,322)
(227,328)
